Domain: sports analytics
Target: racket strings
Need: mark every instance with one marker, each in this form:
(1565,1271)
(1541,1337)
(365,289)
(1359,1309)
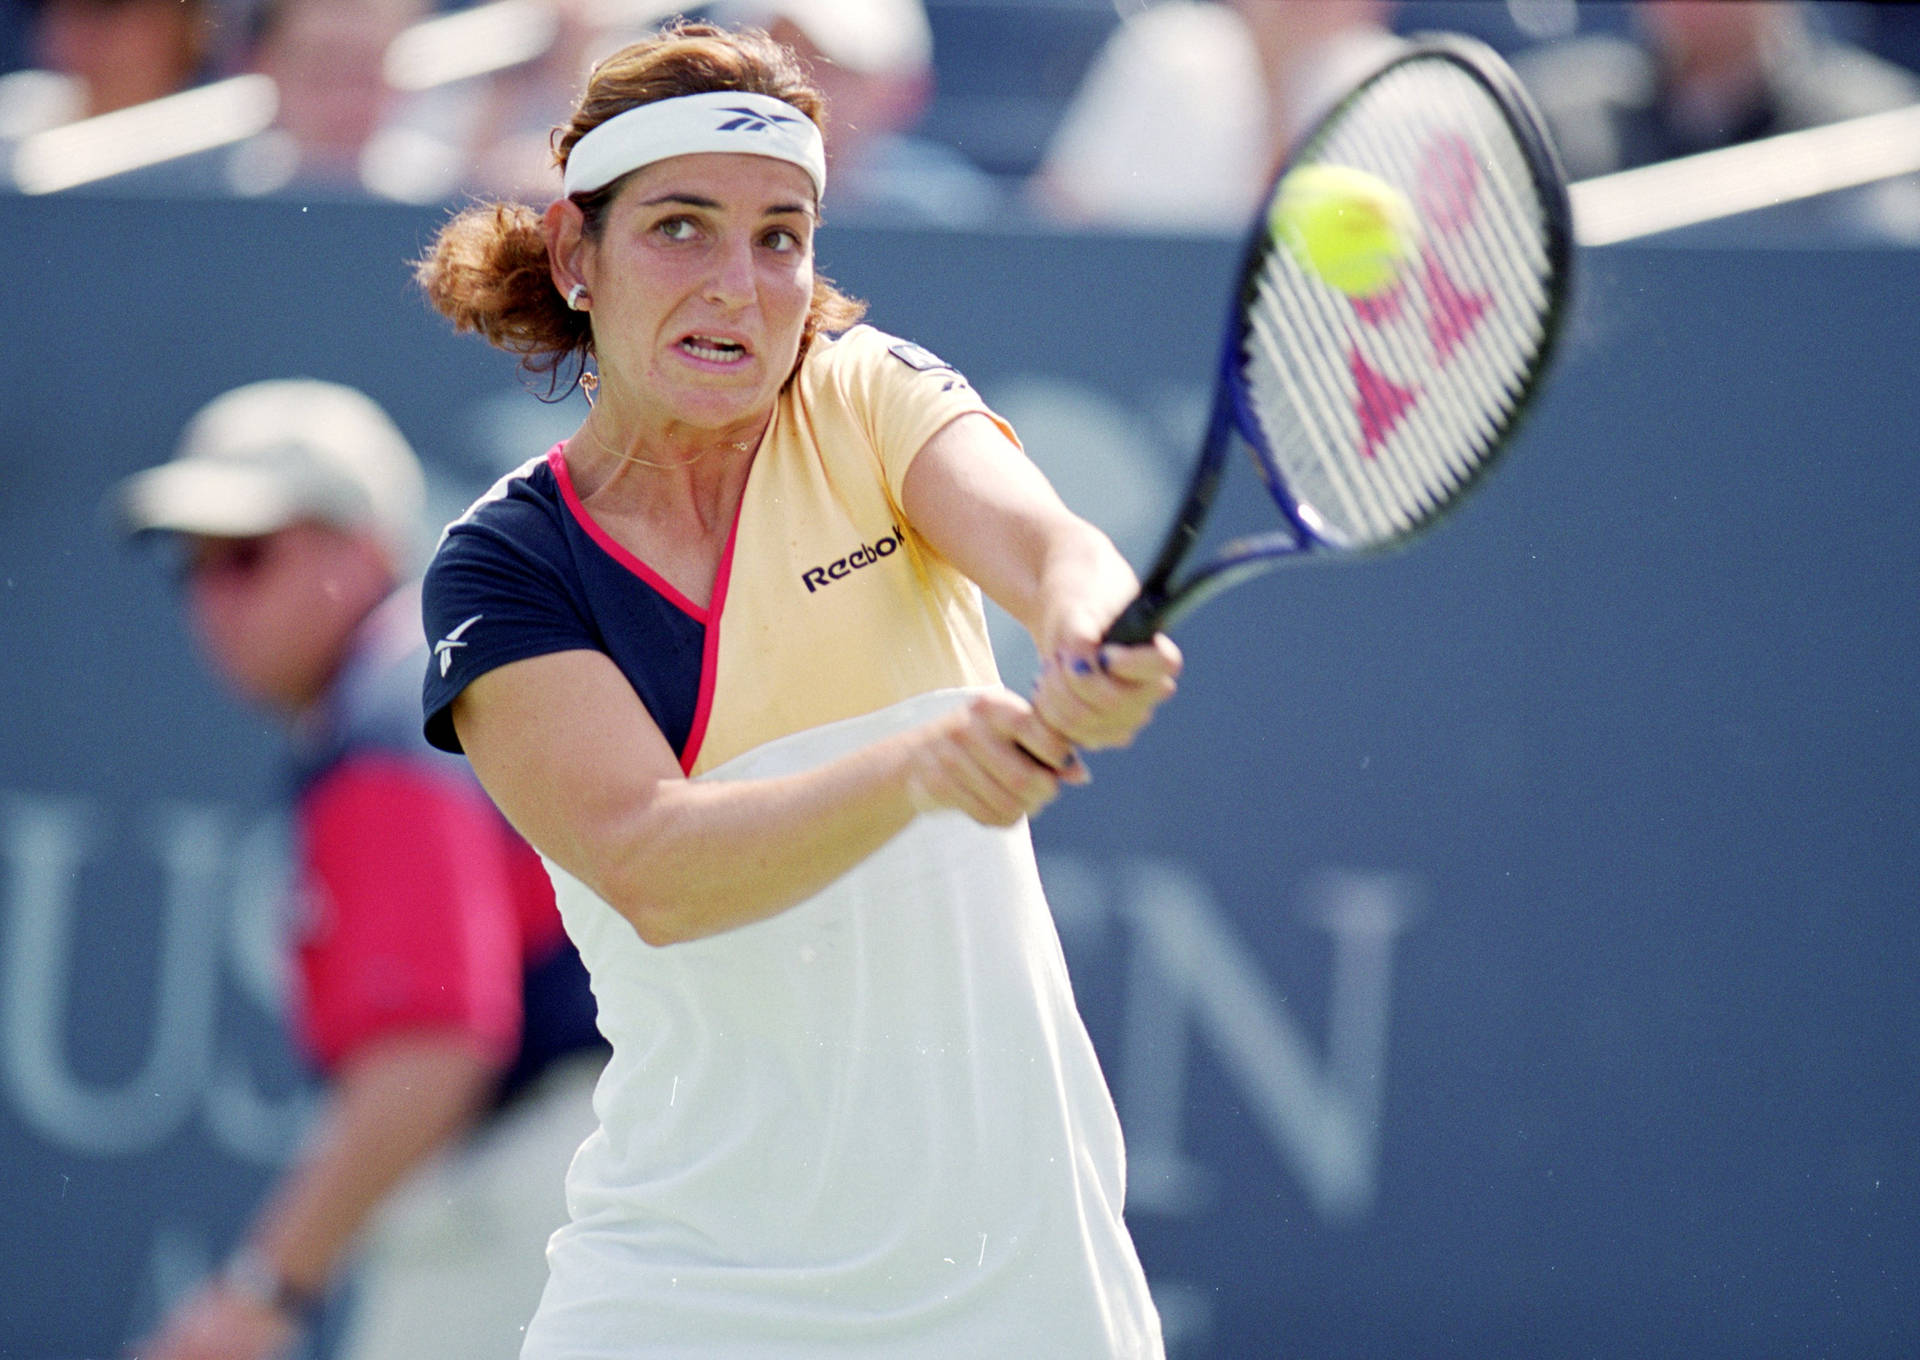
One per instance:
(1377,413)
(1436,454)
(1445,305)
(1509,255)
(1311,445)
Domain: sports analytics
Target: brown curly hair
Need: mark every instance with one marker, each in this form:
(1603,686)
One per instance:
(486,270)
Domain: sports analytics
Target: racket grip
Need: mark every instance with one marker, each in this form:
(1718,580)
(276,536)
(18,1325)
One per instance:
(1138,622)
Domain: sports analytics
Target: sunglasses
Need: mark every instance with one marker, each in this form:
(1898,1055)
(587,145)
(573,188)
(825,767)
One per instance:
(229,558)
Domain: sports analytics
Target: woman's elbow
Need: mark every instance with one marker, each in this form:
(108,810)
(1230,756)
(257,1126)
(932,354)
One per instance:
(659,915)
(659,929)
(655,921)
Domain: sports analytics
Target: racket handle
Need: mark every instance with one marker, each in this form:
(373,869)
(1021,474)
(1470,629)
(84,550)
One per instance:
(1139,621)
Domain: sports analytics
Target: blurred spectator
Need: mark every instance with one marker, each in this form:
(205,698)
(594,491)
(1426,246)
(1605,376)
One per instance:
(324,126)
(1188,109)
(96,56)
(873,60)
(492,132)
(1698,74)
(438,995)
(326,58)
(1693,75)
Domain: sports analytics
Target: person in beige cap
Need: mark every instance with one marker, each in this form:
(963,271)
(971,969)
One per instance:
(435,983)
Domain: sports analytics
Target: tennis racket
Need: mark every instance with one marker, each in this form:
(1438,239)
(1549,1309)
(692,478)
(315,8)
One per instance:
(1370,417)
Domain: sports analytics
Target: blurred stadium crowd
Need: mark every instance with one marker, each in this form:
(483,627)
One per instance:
(1124,113)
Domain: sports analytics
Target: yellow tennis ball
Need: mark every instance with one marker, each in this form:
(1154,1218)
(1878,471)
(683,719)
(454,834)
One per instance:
(1345,226)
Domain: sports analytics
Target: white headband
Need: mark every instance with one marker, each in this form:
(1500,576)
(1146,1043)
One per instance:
(720,120)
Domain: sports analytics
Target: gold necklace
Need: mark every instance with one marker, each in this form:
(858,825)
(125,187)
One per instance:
(590,383)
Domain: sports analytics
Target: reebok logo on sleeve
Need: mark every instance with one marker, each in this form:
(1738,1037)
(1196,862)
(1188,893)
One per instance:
(444,648)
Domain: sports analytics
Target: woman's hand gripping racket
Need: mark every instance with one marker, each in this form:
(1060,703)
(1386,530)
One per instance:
(1371,411)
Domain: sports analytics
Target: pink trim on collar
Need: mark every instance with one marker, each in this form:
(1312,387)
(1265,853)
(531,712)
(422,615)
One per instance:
(556,460)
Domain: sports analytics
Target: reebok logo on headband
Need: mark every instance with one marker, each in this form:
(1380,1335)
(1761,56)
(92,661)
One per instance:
(690,124)
(753,120)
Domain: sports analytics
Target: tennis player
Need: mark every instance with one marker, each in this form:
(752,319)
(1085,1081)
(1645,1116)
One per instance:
(720,656)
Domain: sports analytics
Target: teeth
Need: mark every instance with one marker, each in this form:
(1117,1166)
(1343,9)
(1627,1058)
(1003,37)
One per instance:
(706,347)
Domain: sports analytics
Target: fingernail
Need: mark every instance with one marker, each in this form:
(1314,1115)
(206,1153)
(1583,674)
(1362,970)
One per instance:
(1082,666)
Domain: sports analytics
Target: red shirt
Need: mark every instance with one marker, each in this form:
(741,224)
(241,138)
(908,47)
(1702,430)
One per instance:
(423,910)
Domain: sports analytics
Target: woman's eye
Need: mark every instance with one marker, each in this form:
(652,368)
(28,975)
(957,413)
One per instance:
(676,229)
(782,239)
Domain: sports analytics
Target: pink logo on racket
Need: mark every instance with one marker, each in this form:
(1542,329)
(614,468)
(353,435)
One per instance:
(1447,195)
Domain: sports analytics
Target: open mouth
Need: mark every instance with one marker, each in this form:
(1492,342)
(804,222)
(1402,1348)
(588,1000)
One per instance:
(713,349)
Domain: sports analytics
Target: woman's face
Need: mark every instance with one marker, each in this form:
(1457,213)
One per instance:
(700,280)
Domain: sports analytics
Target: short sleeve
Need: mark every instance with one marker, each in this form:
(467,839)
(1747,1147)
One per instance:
(906,394)
(489,598)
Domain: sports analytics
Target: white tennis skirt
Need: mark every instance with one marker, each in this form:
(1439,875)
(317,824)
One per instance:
(870,1126)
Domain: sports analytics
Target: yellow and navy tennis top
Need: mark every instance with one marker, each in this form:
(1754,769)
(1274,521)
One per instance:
(827,605)
(871,1126)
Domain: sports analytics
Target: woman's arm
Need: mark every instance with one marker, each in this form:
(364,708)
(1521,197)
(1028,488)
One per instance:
(987,509)
(577,764)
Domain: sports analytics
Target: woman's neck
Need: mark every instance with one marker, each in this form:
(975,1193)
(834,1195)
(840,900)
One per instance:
(663,473)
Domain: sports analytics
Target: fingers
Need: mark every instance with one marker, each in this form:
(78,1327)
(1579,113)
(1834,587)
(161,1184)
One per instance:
(1001,758)
(1103,697)
(994,760)
(1149,662)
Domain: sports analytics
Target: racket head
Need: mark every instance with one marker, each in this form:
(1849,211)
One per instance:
(1371,416)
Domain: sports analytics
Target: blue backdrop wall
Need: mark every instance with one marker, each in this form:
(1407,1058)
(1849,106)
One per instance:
(1504,948)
